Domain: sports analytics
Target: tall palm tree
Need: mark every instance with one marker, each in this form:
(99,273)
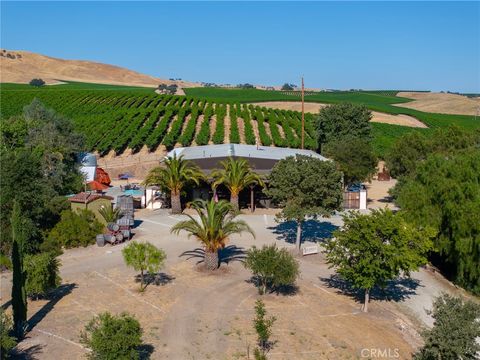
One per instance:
(216,223)
(236,175)
(173,176)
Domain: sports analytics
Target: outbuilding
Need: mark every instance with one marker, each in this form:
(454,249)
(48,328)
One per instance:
(92,202)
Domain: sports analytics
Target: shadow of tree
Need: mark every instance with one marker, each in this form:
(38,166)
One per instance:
(232,253)
(312,230)
(394,290)
(145,351)
(285,290)
(226,255)
(29,353)
(158,279)
(55,296)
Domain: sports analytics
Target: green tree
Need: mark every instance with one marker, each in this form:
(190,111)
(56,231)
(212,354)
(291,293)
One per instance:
(272,267)
(373,249)
(110,214)
(19,296)
(42,274)
(455,331)
(113,337)
(74,229)
(38,158)
(37,82)
(444,193)
(263,327)
(412,150)
(305,187)
(215,225)
(7,342)
(355,159)
(143,257)
(236,175)
(288,87)
(343,121)
(173,176)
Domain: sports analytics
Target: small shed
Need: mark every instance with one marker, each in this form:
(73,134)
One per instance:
(92,202)
(355,197)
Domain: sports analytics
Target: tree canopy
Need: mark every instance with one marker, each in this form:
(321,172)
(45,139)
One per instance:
(272,267)
(444,193)
(216,223)
(288,87)
(173,176)
(413,148)
(455,332)
(37,154)
(345,120)
(236,175)
(113,337)
(305,187)
(37,82)
(143,257)
(355,159)
(371,249)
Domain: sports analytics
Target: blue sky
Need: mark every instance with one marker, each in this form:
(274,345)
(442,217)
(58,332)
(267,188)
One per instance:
(369,45)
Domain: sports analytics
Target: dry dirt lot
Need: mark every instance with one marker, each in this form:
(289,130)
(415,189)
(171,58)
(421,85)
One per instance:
(191,314)
(403,120)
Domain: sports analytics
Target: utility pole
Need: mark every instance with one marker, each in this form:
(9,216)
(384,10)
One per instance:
(303,115)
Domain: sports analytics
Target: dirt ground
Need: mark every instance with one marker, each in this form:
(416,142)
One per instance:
(442,103)
(187,313)
(403,120)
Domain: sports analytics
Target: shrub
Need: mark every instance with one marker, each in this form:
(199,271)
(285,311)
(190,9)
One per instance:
(7,342)
(113,337)
(263,328)
(143,256)
(42,274)
(272,267)
(75,229)
(37,82)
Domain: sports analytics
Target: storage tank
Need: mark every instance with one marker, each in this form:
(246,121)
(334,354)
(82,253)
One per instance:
(87,159)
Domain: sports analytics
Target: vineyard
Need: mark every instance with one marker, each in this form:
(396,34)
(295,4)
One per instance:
(117,118)
(121,120)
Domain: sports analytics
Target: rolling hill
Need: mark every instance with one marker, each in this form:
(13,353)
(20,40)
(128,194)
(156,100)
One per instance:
(23,66)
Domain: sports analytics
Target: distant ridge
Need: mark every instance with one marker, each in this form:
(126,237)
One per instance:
(22,66)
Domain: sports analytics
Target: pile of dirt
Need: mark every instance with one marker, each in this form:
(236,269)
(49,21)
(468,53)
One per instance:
(441,103)
(23,66)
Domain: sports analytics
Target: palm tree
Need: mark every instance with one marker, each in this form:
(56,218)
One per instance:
(236,175)
(109,213)
(216,223)
(176,173)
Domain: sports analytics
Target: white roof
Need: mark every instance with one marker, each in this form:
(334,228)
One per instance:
(240,150)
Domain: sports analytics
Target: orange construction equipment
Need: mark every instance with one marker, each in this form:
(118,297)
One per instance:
(97,186)
(102,176)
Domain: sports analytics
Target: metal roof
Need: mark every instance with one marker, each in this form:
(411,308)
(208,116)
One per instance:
(240,150)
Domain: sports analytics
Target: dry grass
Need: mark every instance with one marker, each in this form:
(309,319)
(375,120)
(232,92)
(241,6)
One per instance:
(403,120)
(441,103)
(32,65)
